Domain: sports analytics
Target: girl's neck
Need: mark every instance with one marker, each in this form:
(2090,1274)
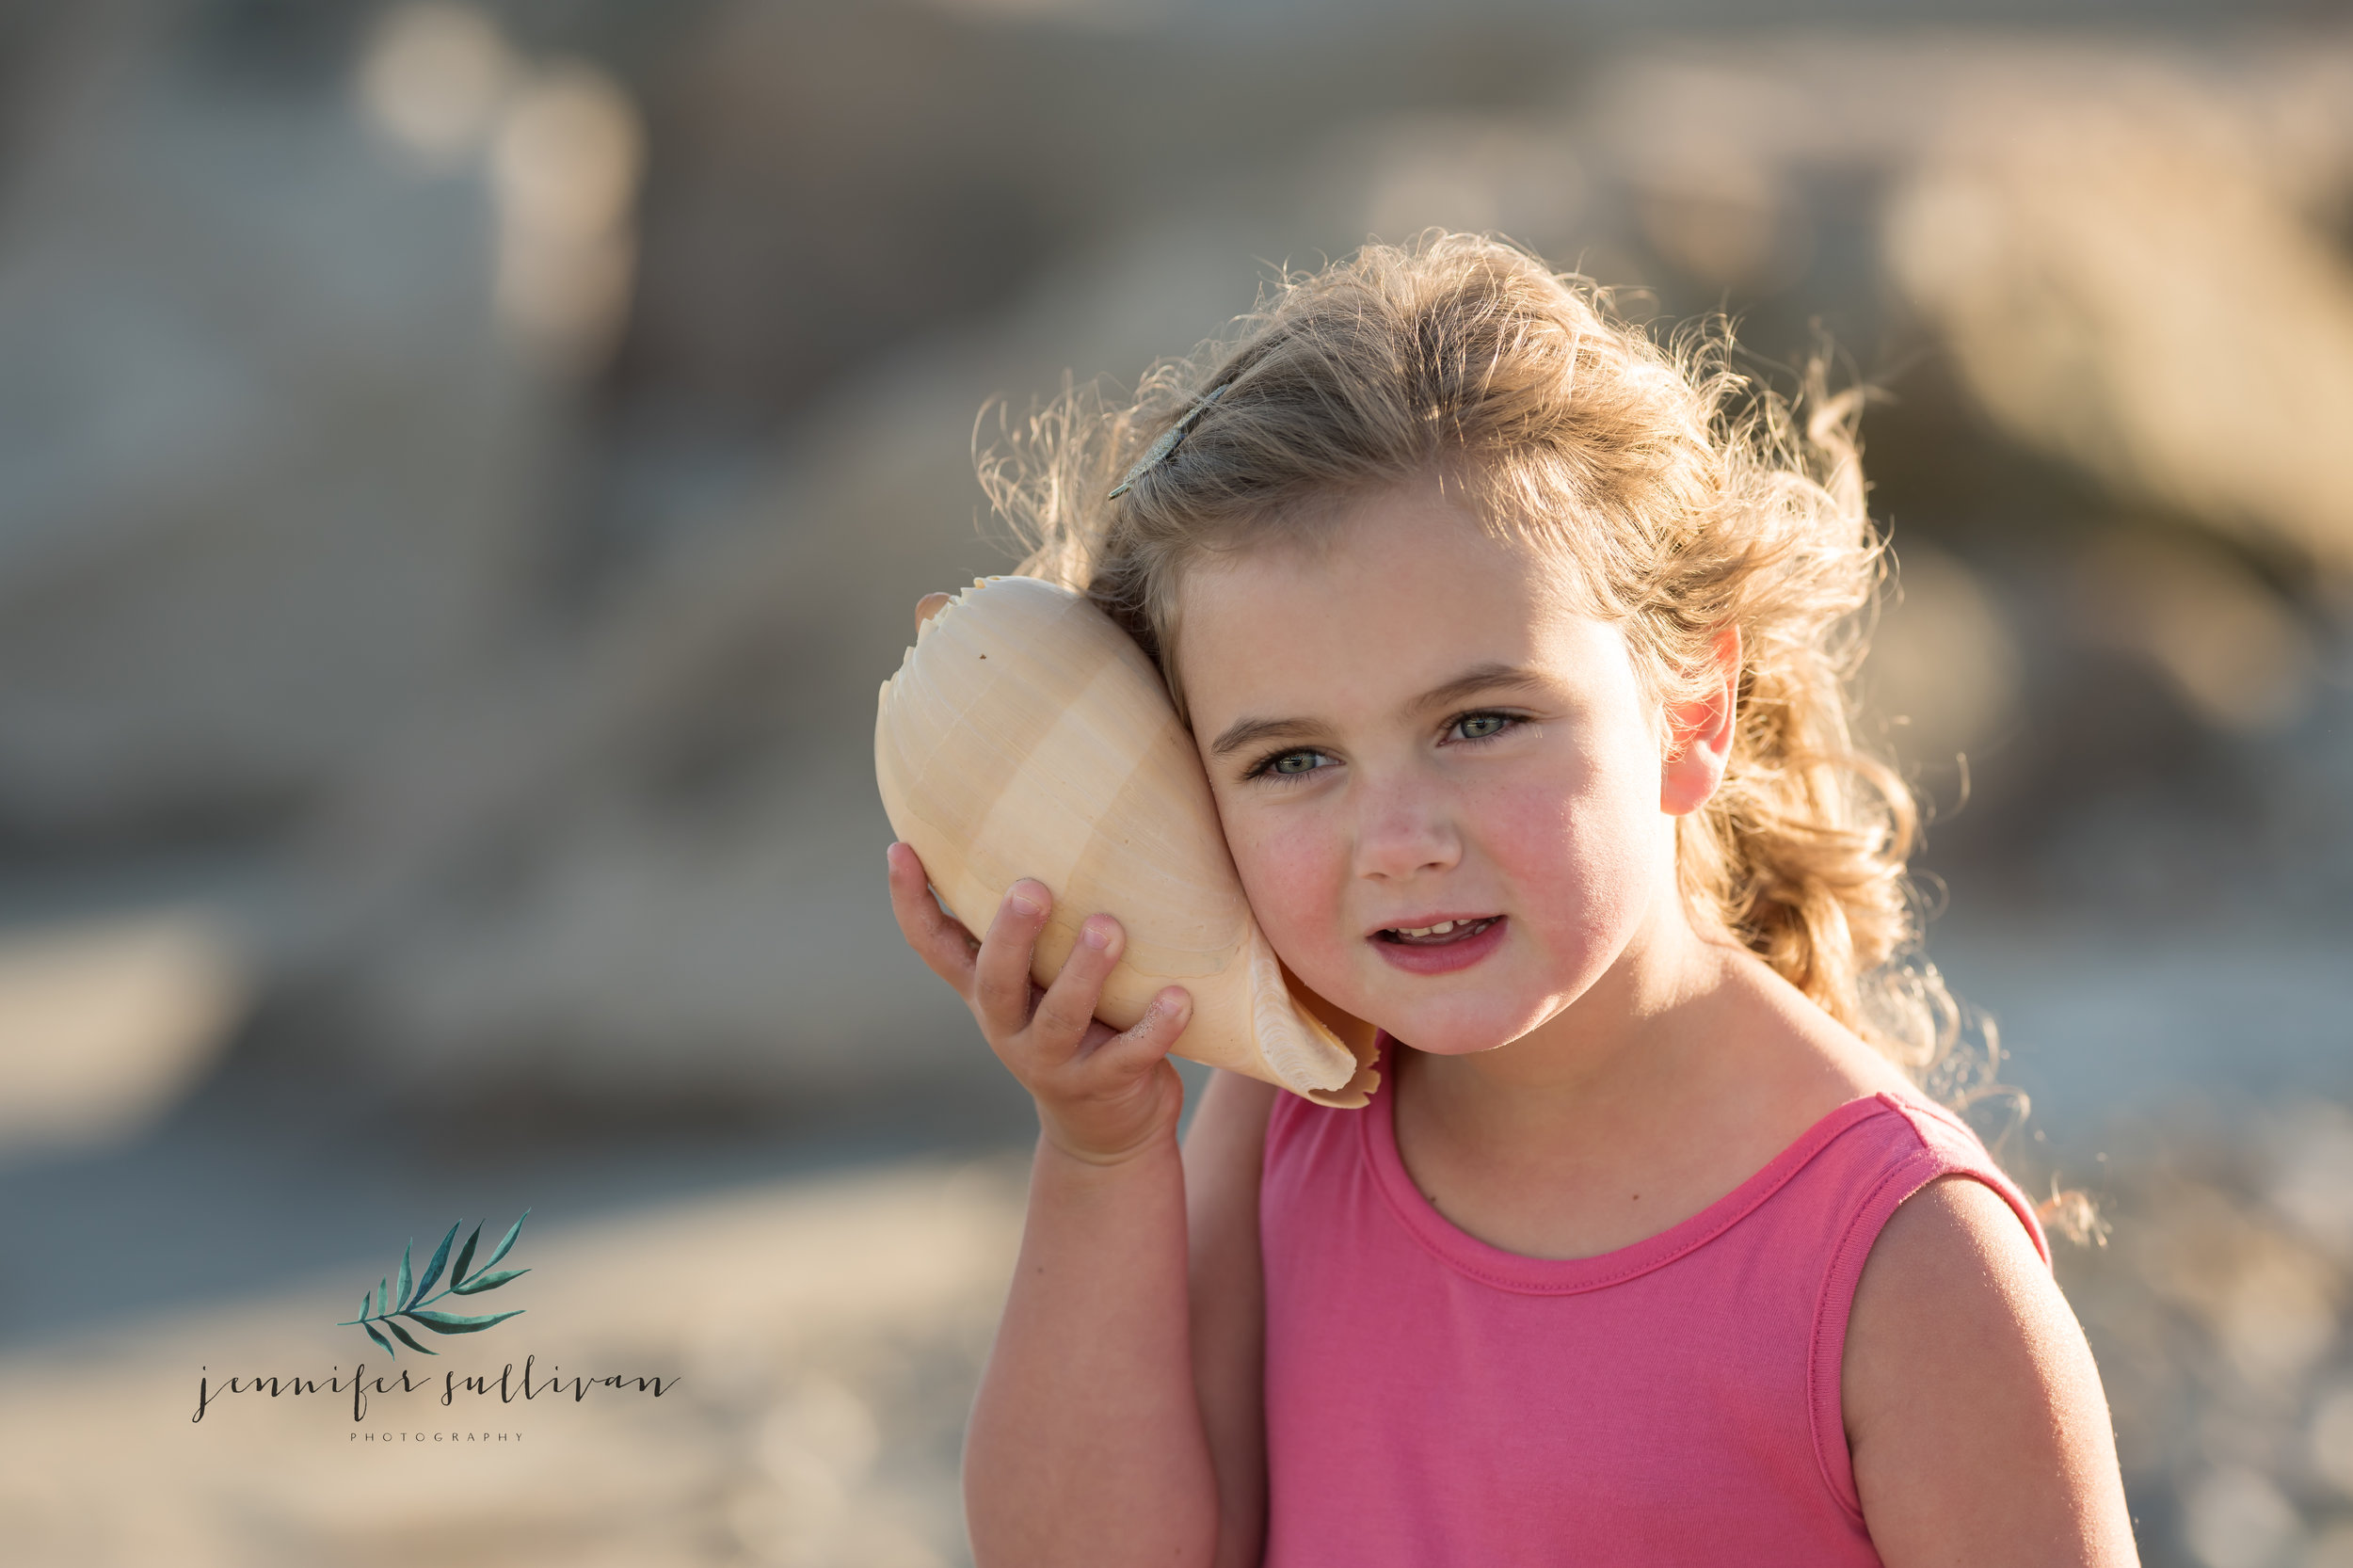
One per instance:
(1674,1078)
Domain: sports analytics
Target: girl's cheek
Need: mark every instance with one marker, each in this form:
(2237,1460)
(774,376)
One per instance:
(1569,861)
(1294,879)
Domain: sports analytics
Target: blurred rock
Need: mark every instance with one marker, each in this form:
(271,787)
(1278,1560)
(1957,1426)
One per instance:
(2313,1175)
(2332,1438)
(2238,1519)
(648,859)
(1516,174)
(2331,1548)
(2236,654)
(1943,667)
(833,181)
(268,478)
(103,1024)
(565,165)
(435,77)
(2219,1331)
(2132,275)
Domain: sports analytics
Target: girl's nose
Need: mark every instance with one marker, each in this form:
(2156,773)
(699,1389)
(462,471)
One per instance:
(1403,832)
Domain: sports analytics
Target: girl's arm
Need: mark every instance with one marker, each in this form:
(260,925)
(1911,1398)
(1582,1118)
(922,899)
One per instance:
(1086,1444)
(1223,1154)
(1974,1412)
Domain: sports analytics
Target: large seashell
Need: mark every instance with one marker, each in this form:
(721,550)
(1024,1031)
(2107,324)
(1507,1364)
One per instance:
(1027,735)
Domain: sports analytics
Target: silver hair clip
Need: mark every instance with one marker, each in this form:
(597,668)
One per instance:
(1169,437)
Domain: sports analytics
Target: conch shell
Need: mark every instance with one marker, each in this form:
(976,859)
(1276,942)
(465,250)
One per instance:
(1027,735)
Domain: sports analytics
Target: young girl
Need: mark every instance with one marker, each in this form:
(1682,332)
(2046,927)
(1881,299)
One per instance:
(1516,659)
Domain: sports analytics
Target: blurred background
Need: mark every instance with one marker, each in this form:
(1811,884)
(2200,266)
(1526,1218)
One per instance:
(465,469)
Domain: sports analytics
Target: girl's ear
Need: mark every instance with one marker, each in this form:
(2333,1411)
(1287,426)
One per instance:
(1700,733)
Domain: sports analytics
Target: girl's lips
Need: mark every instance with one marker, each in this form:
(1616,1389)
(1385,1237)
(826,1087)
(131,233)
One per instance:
(1443,956)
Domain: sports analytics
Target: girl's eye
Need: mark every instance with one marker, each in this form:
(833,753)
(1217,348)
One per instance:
(1481,726)
(1287,764)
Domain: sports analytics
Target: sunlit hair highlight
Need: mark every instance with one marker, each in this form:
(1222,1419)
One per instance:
(1684,496)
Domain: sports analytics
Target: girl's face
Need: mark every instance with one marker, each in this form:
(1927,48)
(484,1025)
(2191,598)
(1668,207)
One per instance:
(1412,729)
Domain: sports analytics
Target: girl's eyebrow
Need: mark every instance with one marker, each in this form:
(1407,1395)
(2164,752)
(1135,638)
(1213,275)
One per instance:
(1478,678)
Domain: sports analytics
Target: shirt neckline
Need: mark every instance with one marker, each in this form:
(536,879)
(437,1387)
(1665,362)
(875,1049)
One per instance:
(1511,1270)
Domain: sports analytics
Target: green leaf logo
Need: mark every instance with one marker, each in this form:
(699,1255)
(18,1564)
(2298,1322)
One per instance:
(407,1298)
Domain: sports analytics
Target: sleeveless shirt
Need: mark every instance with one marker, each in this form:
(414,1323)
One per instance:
(1433,1400)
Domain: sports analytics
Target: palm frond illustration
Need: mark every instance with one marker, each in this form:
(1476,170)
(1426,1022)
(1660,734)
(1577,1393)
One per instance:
(393,1300)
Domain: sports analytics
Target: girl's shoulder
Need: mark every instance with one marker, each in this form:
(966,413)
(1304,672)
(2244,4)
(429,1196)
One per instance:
(1973,1412)
(1816,1066)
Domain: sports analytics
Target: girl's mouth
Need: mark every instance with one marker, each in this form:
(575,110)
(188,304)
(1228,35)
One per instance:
(1444,934)
(1427,950)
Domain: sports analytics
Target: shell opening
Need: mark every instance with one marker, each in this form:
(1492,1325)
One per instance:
(1299,1049)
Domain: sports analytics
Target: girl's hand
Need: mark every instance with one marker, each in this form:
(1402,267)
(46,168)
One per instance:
(1103,1096)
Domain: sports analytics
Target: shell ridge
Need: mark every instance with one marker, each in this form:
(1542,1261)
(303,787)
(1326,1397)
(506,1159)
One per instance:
(1303,1053)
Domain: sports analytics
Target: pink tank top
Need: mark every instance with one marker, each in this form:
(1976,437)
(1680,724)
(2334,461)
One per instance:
(1433,1400)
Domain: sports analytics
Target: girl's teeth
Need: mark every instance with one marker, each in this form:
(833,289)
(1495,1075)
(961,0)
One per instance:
(1439,930)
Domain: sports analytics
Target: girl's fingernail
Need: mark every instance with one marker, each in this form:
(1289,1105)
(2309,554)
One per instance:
(1096,935)
(1022,905)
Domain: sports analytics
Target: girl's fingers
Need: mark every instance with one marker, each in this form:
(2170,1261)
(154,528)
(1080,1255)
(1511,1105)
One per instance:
(937,937)
(1053,1024)
(1161,1026)
(1067,1008)
(1000,972)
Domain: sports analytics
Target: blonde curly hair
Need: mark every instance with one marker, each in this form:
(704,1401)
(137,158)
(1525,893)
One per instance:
(1687,497)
